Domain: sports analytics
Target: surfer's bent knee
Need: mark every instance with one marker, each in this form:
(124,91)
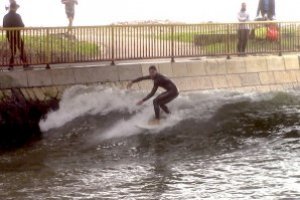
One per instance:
(155,102)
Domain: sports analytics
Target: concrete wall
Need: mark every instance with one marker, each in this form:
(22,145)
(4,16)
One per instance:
(257,73)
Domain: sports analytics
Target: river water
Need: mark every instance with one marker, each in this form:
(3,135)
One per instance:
(215,145)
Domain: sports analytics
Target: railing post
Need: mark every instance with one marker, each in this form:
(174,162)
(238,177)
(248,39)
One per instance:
(228,42)
(280,40)
(48,52)
(112,45)
(172,44)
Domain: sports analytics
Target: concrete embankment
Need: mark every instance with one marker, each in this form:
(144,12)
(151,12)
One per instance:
(258,73)
(45,87)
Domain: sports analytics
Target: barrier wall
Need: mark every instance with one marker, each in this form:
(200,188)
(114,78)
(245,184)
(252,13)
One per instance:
(241,74)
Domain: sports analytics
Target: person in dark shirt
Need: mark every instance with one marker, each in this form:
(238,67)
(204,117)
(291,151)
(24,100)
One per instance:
(14,20)
(164,98)
(267,9)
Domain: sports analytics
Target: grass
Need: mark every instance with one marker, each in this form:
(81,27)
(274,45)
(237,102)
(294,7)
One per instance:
(253,46)
(290,41)
(58,44)
(187,36)
(61,45)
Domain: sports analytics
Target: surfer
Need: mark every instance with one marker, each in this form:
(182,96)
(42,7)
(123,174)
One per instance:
(164,98)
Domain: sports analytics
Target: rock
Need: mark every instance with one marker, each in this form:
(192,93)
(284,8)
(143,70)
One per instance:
(19,119)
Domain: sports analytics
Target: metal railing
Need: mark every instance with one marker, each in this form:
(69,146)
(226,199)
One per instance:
(118,42)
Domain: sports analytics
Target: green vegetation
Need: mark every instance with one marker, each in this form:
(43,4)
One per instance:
(188,36)
(212,42)
(60,45)
(57,44)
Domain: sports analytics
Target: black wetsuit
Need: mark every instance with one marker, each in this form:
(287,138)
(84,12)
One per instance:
(161,100)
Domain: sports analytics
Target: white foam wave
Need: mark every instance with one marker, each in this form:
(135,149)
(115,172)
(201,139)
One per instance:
(83,100)
(201,105)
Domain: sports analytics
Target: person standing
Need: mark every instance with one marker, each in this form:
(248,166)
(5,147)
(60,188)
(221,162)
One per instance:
(70,11)
(243,31)
(267,9)
(14,20)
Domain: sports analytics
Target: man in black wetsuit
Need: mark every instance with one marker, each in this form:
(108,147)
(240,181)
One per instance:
(161,100)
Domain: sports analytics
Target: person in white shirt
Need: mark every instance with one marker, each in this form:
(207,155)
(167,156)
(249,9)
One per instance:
(243,31)
(70,11)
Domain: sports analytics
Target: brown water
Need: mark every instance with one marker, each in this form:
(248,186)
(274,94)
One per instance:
(219,146)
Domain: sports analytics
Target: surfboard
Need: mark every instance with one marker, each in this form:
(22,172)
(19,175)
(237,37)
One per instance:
(149,126)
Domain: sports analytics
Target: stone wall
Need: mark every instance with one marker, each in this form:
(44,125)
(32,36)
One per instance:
(253,73)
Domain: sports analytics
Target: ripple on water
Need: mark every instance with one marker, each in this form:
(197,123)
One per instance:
(224,147)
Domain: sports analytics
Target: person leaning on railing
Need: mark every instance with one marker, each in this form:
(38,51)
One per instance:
(14,20)
(243,31)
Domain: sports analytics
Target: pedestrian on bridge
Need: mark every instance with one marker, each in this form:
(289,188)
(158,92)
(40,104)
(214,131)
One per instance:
(70,12)
(243,31)
(267,9)
(12,20)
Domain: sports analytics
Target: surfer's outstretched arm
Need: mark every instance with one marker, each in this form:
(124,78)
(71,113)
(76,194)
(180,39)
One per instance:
(151,94)
(152,76)
(138,80)
(141,79)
